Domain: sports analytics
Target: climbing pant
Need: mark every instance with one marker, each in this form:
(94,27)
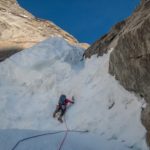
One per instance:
(60,108)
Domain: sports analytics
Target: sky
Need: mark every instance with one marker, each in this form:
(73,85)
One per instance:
(86,20)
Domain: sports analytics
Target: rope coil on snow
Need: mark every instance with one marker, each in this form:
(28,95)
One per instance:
(45,134)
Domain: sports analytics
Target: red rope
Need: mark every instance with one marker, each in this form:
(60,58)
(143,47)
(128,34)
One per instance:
(66,133)
(66,123)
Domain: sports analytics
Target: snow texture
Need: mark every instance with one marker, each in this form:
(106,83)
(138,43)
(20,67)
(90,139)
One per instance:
(31,82)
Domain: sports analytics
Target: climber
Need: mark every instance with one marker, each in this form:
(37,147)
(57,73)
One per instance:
(62,105)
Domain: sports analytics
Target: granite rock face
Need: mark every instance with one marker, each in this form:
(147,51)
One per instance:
(130,60)
(19,29)
(102,45)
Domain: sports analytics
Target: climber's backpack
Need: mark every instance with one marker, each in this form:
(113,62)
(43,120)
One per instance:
(62,99)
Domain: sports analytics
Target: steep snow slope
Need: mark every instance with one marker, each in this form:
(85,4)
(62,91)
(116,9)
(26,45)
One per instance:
(31,82)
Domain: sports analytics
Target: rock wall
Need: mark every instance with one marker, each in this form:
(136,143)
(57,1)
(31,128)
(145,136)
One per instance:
(107,41)
(130,60)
